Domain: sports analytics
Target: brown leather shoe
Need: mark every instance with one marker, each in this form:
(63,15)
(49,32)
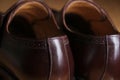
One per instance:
(33,48)
(94,41)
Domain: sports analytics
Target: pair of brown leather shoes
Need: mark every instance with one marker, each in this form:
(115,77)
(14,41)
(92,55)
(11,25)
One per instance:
(34,45)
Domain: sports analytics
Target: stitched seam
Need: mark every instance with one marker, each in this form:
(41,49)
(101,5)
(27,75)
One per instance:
(66,43)
(26,43)
(106,62)
(50,53)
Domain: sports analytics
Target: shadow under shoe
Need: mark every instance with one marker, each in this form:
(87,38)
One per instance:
(34,47)
(93,39)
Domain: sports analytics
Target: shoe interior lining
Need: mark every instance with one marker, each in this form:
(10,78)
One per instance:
(87,18)
(32,20)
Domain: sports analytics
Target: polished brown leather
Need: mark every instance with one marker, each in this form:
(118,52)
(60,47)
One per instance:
(94,41)
(28,52)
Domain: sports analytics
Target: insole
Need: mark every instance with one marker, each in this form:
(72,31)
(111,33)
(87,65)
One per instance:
(41,29)
(78,24)
(86,18)
(33,22)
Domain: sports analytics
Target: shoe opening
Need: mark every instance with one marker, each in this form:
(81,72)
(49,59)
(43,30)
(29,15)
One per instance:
(32,20)
(84,17)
